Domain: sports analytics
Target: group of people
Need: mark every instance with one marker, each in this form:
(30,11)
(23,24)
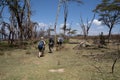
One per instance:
(42,43)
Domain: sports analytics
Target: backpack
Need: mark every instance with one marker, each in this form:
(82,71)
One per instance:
(60,40)
(41,45)
(51,41)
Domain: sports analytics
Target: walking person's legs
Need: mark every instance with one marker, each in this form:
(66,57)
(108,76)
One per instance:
(40,53)
(50,49)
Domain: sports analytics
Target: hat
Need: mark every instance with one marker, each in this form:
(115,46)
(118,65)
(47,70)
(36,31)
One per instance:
(42,37)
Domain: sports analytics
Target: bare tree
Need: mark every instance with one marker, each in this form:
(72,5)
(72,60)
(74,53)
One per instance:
(65,16)
(58,10)
(64,2)
(30,25)
(2,5)
(86,27)
(3,31)
(8,30)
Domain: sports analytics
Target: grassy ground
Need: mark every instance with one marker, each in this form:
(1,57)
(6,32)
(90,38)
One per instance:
(66,64)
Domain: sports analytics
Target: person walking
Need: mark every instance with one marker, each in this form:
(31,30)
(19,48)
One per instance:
(51,44)
(60,41)
(41,47)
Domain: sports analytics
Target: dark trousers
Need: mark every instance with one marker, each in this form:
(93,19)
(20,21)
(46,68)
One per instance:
(50,48)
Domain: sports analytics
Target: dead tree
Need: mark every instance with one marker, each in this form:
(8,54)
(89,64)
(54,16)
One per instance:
(2,5)
(30,24)
(4,25)
(57,15)
(86,27)
(65,4)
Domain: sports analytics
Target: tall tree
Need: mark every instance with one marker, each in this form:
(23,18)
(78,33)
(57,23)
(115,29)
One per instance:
(21,14)
(17,9)
(2,5)
(109,13)
(64,2)
(65,15)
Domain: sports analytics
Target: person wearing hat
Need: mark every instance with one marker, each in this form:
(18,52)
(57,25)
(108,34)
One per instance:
(41,47)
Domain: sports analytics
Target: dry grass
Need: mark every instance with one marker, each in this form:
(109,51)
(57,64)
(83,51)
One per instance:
(66,64)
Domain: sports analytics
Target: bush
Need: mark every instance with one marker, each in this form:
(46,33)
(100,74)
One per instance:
(66,41)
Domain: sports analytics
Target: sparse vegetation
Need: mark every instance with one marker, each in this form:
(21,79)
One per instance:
(80,57)
(72,64)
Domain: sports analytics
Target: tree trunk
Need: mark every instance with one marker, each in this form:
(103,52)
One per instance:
(113,66)
(55,36)
(109,35)
(9,38)
(20,27)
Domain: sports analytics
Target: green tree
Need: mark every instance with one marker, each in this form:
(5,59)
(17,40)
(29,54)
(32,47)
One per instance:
(109,13)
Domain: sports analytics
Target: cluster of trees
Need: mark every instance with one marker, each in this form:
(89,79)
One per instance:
(64,3)
(109,14)
(20,26)
(108,11)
